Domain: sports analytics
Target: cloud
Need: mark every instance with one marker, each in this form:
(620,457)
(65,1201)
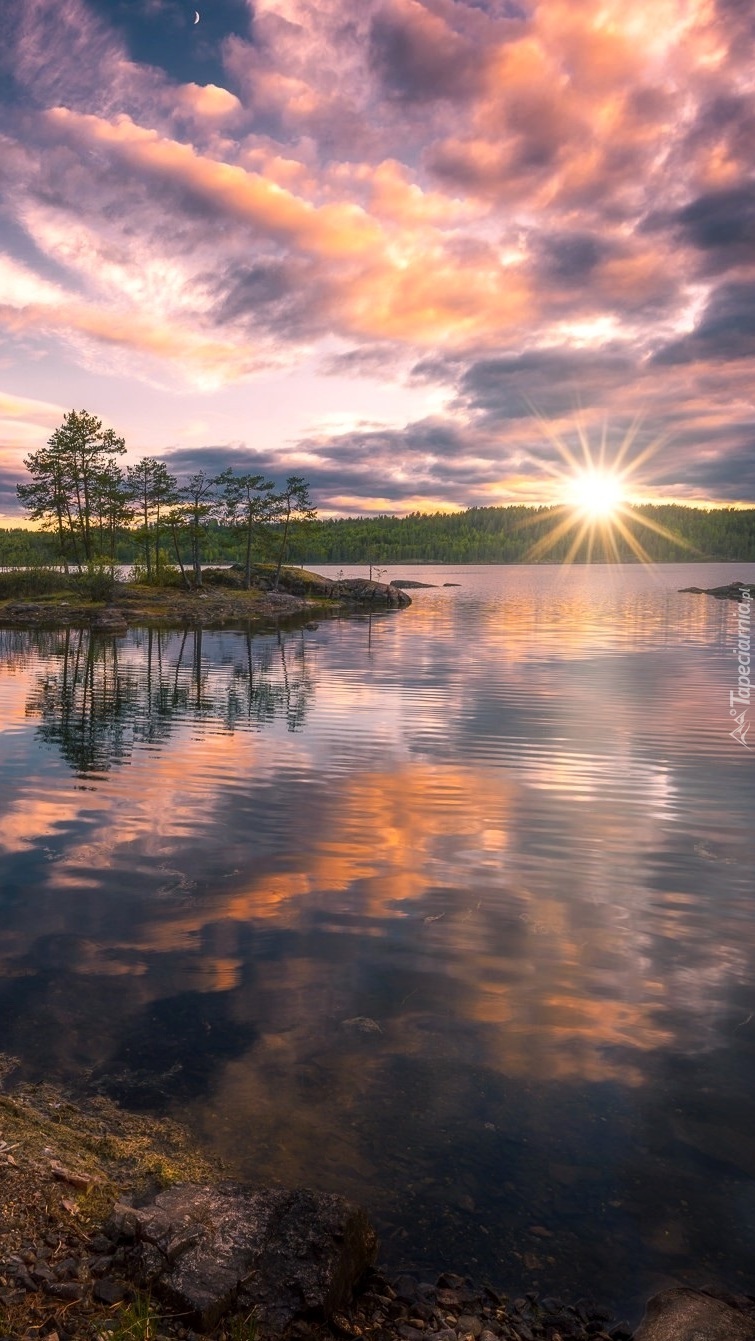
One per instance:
(208,101)
(553,382)
(222,188)
(524,205)
(725,332)
(417,57)
(722,225)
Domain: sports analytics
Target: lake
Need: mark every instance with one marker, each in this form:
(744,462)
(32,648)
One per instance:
(449,909)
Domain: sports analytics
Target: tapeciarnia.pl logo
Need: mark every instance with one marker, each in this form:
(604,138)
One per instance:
(739,702)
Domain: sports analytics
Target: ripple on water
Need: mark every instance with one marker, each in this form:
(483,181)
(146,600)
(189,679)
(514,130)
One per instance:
(508,826)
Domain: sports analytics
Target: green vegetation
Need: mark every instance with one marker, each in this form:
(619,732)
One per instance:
(516,534)
(479,535)
(136,1321)
(93,515)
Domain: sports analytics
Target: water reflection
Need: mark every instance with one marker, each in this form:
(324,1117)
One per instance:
(98,697)
(523,848)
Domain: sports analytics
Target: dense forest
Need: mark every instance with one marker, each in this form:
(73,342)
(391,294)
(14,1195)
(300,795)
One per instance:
(479,535)
(527,534)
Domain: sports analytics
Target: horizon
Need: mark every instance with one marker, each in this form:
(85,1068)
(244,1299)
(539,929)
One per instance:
(431,255)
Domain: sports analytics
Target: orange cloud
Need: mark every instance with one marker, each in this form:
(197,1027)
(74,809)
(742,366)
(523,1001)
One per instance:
(328,230)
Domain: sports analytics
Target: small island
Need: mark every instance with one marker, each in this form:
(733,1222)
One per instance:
(55,599)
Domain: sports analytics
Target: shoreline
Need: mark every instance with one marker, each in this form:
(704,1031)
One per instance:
(70,1170)
(222,601)
(96,1225)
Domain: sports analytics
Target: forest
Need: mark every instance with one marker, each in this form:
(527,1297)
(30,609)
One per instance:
(478,535)
(89,511)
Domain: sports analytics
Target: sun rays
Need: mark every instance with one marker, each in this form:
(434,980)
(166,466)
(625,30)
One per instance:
(597,486)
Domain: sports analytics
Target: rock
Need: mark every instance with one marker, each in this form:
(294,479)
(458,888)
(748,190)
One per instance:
(360,591)
(108,1292)
(731,591)
(110,621)
(361,1024)
(683,1314)
(403,582)
(469,1325)
(406,1287)
(67,1289)
(452,584)
(283,1255)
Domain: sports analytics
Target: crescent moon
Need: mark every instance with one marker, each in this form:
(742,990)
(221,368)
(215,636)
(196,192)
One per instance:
(196,16)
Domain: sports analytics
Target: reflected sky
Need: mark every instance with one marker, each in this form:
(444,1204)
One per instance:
(507,825)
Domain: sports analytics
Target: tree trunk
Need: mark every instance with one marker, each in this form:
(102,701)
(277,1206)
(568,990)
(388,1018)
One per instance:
(178,557)
(248,563)
(282,550)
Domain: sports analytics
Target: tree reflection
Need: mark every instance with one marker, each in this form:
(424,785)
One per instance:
(98,698)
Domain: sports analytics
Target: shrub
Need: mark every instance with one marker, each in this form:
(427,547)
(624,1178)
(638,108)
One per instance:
(98,582)
(32,582)
(223,577)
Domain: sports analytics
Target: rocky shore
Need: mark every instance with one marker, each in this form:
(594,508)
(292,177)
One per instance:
(222,600)
(114,1228)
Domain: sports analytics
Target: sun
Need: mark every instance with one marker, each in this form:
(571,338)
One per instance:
(596,517)
(596,493)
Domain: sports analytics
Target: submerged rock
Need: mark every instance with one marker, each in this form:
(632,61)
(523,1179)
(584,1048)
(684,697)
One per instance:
(403,582)
(683,1314)
(285,1255)
(361,1024)
(731,591)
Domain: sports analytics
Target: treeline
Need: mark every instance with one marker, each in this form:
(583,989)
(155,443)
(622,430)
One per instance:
(90,510)
(479,535)
(663,534)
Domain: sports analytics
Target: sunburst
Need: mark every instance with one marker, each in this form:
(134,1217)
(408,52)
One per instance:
(597,487)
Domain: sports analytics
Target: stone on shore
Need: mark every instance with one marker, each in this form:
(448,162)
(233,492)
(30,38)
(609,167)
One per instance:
(283,1254)
(110,620)
(683,1314)
(358,591)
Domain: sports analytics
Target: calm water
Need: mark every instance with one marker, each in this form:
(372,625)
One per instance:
(506,831)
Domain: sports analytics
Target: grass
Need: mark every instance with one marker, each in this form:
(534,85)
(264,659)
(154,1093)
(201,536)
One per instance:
(136,1321)
(241,1329)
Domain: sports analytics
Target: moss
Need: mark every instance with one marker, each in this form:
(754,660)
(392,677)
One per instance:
(99,1139)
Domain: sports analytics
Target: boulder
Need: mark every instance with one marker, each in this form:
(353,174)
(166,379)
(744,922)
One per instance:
(683,1314)
(283,1254)
(296,581)
(361,591)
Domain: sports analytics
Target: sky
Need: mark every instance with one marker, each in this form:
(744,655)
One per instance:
(413,250)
